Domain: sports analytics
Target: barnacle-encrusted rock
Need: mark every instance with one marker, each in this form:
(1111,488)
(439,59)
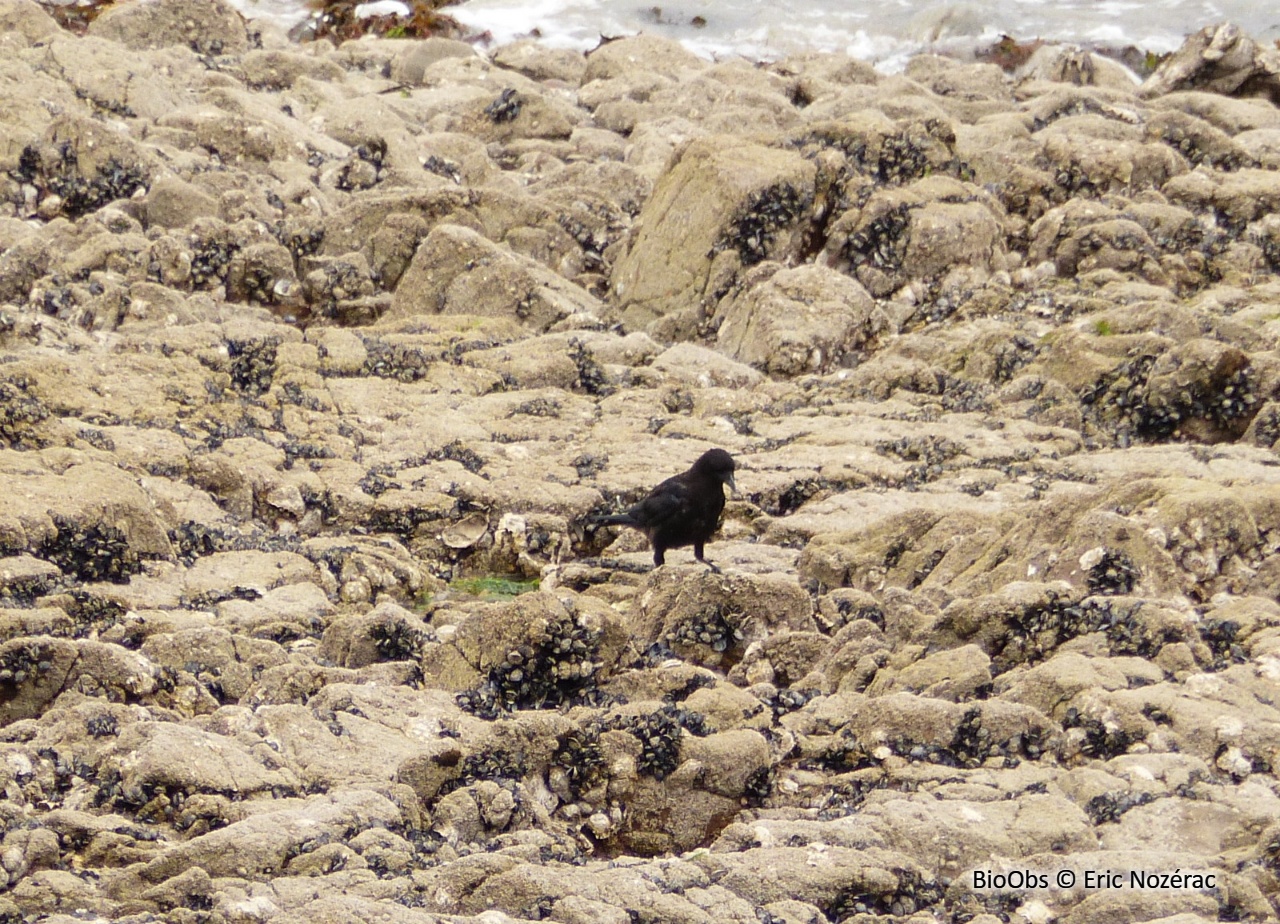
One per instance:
(1219,58)
(386,633)
(457,271)
(91,520)
(22,415)
(1202,390)
(35,670)
(293,828)
(80,165)
(262,273)
(921,231)
(689,784)
(711,619)
(766,195)
(159,766)
(541,651)
(207,27)
(213,658)
(798,320)
(955,674)
(1079,242)
(318,363)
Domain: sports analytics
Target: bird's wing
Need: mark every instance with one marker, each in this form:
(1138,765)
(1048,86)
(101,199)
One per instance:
(667,500)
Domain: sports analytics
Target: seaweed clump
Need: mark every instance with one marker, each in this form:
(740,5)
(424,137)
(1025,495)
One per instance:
(341,21)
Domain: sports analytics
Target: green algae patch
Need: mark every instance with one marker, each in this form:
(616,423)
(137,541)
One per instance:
(493,588)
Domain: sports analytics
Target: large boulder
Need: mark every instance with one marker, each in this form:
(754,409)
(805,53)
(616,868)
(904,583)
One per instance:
(796,320)
(925,231)
(724,203)
(1219,59)
(92,520)
(26,20)
(207,27)
(458,271)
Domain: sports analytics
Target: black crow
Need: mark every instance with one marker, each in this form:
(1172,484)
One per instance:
(683,510)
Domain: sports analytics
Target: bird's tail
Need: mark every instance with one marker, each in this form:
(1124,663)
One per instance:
(613,519)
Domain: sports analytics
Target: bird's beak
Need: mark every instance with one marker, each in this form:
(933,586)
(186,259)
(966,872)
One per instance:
(729,480)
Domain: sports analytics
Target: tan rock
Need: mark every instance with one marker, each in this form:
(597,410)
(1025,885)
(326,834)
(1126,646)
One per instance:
(956,674)
(721,201)
(457,271)
(1073,64)
(173,203)
(1220,58)
(641,52)
(694,365)
(115,78)
(792,321)
(412,58)
(998,582)
(209,27)
(26,19)
(538,62)
(278,69)
(219,574)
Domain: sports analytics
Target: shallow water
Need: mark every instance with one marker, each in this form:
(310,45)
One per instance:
(884,33)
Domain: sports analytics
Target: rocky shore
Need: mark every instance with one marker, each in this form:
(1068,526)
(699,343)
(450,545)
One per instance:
(303,346)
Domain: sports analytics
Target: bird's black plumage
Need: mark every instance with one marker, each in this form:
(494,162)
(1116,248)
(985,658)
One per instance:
(684,509)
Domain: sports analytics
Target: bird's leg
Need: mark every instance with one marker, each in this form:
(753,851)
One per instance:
(658,559)
(698,548)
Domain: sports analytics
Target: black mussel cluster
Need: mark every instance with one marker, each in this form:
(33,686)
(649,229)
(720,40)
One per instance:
(253,364)
(20,412)
(766,213)
(90,551)
(557,670)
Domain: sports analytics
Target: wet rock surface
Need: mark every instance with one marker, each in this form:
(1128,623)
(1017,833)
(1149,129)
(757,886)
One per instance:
(295,340)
